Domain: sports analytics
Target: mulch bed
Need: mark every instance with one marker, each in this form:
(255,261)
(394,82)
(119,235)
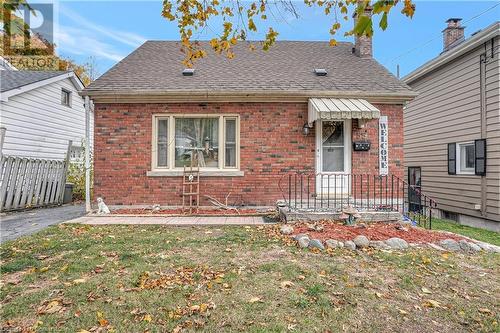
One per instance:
(179,212)
(374,232)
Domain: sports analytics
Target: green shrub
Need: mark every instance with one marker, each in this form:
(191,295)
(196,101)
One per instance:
(76,176)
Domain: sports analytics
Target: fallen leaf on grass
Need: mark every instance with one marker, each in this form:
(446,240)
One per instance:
(426,291)
(255,300)
(430,303)
(53,306)
(78,281)
(103,322)
(287,284)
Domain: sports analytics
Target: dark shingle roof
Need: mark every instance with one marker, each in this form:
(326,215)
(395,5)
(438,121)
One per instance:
(288,66)
(15,79)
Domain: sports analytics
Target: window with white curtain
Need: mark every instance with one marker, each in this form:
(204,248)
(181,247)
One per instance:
(210,141)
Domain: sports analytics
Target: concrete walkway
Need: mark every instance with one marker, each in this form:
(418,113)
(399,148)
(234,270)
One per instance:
(175,221)
(17,224)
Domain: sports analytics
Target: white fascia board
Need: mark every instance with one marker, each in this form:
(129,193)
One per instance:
(478,39)
(16,91)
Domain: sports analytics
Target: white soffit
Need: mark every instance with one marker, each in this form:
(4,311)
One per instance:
(340,108)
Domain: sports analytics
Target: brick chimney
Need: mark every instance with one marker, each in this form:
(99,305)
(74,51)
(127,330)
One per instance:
(363,44)
(453,34)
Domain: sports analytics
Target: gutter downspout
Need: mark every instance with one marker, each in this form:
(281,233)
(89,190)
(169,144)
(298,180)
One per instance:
(483,60)
(87,155)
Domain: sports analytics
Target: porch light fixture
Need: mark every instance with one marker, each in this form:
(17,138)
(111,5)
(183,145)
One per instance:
(306,128)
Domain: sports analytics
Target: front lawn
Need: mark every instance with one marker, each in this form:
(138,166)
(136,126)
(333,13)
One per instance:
(75,278)
(476,233)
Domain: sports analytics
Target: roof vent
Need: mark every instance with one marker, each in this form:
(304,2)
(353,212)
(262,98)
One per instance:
(320,71)
(188,72)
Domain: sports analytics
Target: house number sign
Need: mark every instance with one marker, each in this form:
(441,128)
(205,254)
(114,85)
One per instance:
(383,151)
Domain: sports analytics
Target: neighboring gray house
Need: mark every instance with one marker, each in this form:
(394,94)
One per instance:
(41,111)
(452,129)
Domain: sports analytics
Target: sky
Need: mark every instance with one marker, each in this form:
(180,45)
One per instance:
(110,30)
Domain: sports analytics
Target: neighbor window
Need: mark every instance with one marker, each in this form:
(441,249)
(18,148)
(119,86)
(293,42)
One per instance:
(209,141)
(65,97)
(465,158)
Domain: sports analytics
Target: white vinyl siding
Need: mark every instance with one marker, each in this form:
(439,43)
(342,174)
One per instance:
(38,125)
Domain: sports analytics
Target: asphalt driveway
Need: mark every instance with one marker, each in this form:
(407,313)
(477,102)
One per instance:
(17,224)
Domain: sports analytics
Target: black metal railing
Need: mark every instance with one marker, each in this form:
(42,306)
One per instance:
(365,192)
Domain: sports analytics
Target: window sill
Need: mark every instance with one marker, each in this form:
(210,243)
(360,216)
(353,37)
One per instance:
(203,173)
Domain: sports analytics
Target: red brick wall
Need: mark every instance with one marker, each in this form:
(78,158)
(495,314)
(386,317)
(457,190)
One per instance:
(271,142)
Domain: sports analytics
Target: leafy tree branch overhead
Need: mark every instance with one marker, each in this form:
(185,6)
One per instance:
(241,18)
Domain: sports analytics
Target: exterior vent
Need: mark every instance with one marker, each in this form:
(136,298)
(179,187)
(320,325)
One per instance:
(320,72)
(188,72)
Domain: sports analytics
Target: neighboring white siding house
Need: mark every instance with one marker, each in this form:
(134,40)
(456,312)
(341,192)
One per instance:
(36,113)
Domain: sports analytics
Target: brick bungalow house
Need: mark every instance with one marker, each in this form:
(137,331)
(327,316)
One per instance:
(300,106)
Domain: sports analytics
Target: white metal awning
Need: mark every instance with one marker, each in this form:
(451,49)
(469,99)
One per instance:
(340,108)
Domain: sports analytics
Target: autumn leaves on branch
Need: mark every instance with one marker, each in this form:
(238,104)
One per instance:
(239,19)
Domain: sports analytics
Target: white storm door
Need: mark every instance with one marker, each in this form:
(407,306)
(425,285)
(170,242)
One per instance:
(333,157)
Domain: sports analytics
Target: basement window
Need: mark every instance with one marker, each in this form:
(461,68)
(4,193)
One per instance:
(210,141)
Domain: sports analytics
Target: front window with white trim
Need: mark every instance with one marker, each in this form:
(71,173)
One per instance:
(465,158)
(211,141)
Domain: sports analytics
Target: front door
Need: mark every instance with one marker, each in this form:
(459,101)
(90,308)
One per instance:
(333,157)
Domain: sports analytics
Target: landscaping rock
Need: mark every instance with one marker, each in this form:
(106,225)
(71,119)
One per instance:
(436,247)
(350,245)
(379,245)
(299,236)
(489,247)
(286,230)
(468,246)
(397,243)
(361,241)
(303,242)
(450,245)
(334,244)
(316,244)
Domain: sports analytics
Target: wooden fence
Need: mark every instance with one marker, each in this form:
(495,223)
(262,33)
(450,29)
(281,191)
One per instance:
(31,182)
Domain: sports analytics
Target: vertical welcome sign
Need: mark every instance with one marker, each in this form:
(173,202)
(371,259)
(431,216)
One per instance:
(383,149)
